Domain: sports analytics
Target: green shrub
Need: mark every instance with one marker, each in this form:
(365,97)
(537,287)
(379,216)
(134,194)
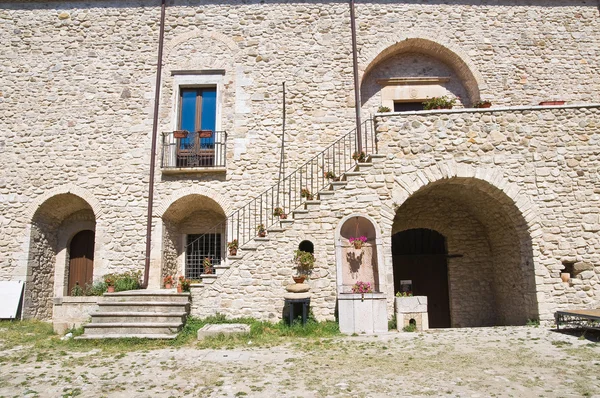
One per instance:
(410,328)
(96,289)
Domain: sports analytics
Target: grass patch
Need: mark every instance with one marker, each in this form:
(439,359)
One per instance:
(41,337)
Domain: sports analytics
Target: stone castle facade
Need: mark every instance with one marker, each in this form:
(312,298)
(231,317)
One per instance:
(513,190)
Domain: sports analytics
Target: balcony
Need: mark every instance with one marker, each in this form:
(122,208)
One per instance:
(193,151)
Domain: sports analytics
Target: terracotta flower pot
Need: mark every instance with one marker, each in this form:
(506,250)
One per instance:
(233,252)
(179,289)
(262,234)
(110,289)
(180,134)
(282,216)
(358,244)
(168,285)
(299,279)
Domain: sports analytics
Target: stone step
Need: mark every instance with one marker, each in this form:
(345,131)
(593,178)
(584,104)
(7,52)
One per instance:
(163,295)
(324,195)
(127,336)
(352,175)
(286,223)
(208,279)
(142,306)
(138,317)
(312,204)
(299,214)
(363,166)
(145,328)
(338,185)
(376,157)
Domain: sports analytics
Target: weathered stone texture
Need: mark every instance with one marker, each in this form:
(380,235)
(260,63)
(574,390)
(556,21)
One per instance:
(76,103)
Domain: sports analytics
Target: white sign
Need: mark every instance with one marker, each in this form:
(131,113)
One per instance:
(10,298)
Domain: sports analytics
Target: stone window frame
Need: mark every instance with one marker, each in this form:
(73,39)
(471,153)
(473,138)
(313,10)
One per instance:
(183,79)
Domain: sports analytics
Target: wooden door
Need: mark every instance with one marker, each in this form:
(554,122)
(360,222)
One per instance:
(419,255)
(81,264)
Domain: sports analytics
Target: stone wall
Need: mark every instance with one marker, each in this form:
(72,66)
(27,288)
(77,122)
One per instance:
(76,106)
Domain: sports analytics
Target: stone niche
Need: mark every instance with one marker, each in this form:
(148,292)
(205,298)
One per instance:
(411,89)
(359,312)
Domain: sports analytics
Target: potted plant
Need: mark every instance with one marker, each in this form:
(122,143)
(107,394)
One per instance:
(304,264)
(362,287)
(261,230)
(383,109)
(184,284)
(330,175)
(278,212)
(442,102)
(360,157)
(110,280)
(207,265)
(168,281)
(180,133)
(305,193)
(358,242)
(205,133)
(482,104)
(233,247)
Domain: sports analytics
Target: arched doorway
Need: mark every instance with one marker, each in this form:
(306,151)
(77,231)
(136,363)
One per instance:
(81,260)
(194,230)
(488,251)
(420,266)
(53,223)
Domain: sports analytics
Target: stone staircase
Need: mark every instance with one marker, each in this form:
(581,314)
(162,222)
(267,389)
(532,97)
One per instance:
(303,212)
(139,313)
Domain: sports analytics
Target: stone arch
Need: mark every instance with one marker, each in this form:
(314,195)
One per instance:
(223,202)
(197,33)
(197,221)
(491,275)
(352,264)
(83,193)
(435,47)
(53,221)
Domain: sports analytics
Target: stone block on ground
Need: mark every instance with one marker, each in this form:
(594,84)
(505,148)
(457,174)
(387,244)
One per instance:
(224,328)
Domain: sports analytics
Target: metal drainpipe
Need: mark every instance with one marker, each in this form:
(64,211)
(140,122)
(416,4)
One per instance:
(153,150)
(356,87)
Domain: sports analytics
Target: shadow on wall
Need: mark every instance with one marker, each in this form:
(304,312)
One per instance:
(358,264)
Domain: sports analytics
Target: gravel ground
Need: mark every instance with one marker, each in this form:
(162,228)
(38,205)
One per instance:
(478,362)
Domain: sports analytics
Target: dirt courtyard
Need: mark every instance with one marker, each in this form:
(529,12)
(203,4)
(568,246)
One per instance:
(481,362)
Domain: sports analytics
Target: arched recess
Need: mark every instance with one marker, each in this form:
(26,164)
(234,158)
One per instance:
(417,68)
(491,278)
(53,225)
(353,264)
(193,229)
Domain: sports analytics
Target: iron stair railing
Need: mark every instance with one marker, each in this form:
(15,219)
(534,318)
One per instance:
(286,195)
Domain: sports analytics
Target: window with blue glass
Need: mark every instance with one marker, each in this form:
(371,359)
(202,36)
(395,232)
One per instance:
(197,115)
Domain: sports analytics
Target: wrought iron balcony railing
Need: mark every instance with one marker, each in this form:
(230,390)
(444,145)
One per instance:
(183,149)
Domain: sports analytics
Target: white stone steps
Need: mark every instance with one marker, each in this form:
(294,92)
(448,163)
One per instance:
(145,328)
(128,336)
(338,185)
(160,317)
(163,295)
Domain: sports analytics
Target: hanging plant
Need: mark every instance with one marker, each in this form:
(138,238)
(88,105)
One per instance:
(358,242)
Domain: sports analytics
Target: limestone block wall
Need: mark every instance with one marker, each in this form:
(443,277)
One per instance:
(545,160)
(76,99)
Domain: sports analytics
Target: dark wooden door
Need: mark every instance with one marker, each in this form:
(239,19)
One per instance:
(81,264)
(420,256)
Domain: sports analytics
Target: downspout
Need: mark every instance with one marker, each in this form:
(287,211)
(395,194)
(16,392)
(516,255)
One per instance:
(356,87)
(153,150)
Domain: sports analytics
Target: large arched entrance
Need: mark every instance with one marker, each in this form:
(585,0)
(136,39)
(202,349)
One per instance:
(55,225)
(476,231)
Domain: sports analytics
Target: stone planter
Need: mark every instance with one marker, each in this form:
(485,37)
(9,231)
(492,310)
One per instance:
(412,308)
(362,313)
